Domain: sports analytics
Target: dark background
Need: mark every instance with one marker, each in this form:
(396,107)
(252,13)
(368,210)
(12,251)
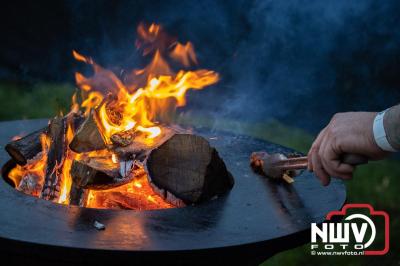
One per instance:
(295,61)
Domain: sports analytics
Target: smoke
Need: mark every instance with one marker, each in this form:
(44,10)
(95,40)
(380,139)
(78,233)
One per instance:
(301,61)
(295,61)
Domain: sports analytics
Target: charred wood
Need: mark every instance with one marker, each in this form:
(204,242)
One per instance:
(26,148)
(186,168)
(97,175)
(88,136)
(55,158)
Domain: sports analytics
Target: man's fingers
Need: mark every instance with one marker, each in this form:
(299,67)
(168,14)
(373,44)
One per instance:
(319,170)
(330,158)
(314,149)
(317,141)
(310,166)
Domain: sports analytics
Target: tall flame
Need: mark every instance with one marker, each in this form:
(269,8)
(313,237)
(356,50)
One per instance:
(66,179)
(137,104)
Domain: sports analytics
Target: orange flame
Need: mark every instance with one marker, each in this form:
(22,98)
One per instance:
(138,101)
(184,54)
(66,179)
(138,106)
(36,166)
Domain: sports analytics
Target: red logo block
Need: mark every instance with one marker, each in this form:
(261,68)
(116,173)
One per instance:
(372,212)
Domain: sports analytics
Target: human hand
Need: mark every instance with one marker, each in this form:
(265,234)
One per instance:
(346,133)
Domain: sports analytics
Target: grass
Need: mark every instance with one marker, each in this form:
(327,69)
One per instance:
(26,101)
(377,183)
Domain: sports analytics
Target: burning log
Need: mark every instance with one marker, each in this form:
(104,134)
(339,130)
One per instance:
(88,137)
(26,148)
(139,148)
(77,195)
(186,169)
(56,155)
(30,184)
(124,138)
(57,135)
(97,174)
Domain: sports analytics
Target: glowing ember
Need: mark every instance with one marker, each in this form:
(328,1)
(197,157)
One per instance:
(137,194)
(137,102)
(36,167)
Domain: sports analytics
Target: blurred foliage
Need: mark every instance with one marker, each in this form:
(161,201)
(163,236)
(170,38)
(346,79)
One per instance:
(376,183)
(26,101)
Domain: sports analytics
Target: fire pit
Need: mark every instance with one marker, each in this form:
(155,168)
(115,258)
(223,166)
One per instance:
(116,181)
(117,147)
(255,220)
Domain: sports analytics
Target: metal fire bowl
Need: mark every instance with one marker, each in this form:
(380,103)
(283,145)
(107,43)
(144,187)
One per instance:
(258,218)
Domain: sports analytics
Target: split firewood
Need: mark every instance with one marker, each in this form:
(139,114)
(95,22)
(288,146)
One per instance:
(97,174)
(55,159)
(77,120)
(77,195)
(88,136)
(140,147)
(26,148)
(186,169)
(57,153)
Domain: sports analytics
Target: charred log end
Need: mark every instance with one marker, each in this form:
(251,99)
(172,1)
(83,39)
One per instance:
(185,168)
(15,154)
(26,148)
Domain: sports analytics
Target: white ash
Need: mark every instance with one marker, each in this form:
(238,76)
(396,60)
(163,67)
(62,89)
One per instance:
(99,226)
(30,184)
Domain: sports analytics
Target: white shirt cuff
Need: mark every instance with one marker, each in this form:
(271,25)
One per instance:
(380,133)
